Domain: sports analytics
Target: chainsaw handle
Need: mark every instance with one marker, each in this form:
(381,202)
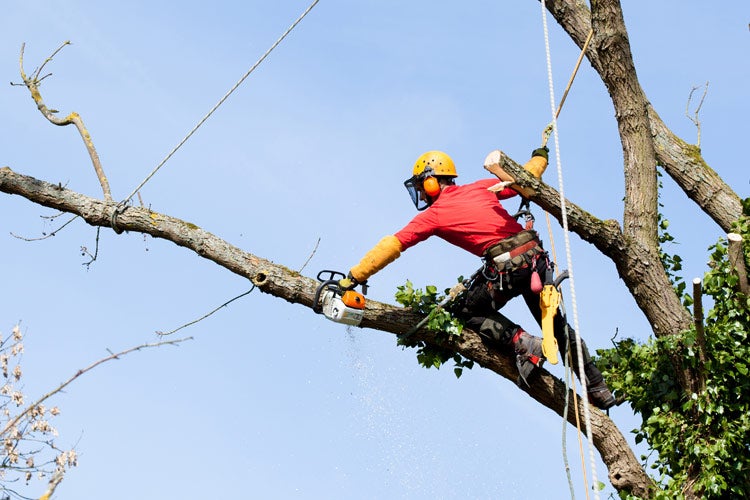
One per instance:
(317,306)
(332,275)
(328,275)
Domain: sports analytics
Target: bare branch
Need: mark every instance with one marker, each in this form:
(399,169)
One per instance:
(12,423)
(282,282)
(205,315)
(310,257)
(695,117)
(56,479)
(85,251)
(33,83)
(45,236)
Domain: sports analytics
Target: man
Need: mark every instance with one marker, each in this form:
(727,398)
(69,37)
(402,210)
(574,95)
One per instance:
(471,217)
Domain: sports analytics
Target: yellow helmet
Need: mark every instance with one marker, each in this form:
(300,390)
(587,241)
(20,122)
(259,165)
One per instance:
(423,187)
(441,164)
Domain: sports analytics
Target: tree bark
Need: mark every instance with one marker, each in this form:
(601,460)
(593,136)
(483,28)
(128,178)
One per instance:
(685,165)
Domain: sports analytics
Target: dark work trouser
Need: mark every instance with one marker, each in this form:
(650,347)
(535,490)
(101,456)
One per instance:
(480,311)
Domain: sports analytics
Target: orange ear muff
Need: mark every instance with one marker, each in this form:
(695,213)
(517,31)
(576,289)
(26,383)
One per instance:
(431,186)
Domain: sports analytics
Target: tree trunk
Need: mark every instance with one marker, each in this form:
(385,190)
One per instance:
(646,142)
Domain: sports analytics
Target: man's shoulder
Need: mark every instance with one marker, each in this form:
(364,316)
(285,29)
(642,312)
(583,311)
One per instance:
(481,183)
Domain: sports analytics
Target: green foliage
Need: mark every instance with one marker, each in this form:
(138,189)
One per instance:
(746,207)
(439,320)
(704,435)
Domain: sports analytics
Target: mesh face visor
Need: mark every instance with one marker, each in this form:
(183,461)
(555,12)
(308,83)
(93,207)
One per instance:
(413,185)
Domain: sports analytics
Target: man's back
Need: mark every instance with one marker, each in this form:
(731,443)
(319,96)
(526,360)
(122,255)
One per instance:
(468,216)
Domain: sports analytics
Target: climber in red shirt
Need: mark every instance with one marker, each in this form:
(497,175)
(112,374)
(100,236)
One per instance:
(471,217)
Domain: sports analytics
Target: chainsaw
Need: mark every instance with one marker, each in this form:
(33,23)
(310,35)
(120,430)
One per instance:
(342,305)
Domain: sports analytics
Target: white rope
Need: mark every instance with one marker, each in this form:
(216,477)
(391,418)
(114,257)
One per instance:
(565,420)
(587,412)
(221,101)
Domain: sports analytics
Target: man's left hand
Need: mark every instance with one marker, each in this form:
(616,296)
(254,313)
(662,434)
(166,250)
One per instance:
(543,152)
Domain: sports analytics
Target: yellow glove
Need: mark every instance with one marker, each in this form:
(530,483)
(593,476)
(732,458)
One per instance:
(538,162)
(536,166)
(386,251)
(346,283)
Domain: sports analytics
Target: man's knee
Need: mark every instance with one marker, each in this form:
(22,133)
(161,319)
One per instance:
(495,328)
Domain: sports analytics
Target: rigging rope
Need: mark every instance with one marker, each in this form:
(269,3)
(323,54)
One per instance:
(221,101)
(553,125)
(548,130)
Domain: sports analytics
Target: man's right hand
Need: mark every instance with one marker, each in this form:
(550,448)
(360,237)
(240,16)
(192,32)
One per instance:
(348,282)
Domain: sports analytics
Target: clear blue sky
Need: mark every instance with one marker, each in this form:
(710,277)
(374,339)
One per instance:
(270,400)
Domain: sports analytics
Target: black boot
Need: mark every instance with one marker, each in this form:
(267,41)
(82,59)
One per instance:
(599,394)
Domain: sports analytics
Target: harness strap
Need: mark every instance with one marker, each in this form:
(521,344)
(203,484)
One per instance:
(501,259)
(511,242)
(517,251)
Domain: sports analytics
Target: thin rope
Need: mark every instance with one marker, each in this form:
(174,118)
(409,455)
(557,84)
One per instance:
(221,101)
(565,422)
(578,417)
(575,72)
(548,130)
(570,386)
(587,411)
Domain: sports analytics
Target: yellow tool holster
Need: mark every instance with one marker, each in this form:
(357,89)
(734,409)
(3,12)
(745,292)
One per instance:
(549,300)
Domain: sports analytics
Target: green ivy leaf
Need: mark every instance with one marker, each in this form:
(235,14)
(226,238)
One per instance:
(439,320)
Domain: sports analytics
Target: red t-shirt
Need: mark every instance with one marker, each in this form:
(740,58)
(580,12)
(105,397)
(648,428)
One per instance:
(468,216)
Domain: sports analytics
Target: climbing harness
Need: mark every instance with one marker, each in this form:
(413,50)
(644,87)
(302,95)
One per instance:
(524,209)
(520,251)
(548,129)
(513,252)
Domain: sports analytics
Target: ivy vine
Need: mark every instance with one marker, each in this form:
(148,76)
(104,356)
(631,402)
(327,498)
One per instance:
(447,328)
(699,437)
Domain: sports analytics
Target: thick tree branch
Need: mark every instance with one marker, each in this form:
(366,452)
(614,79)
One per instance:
(737,260)
(638,264)
(573,16)
(624,470)
(685,164)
